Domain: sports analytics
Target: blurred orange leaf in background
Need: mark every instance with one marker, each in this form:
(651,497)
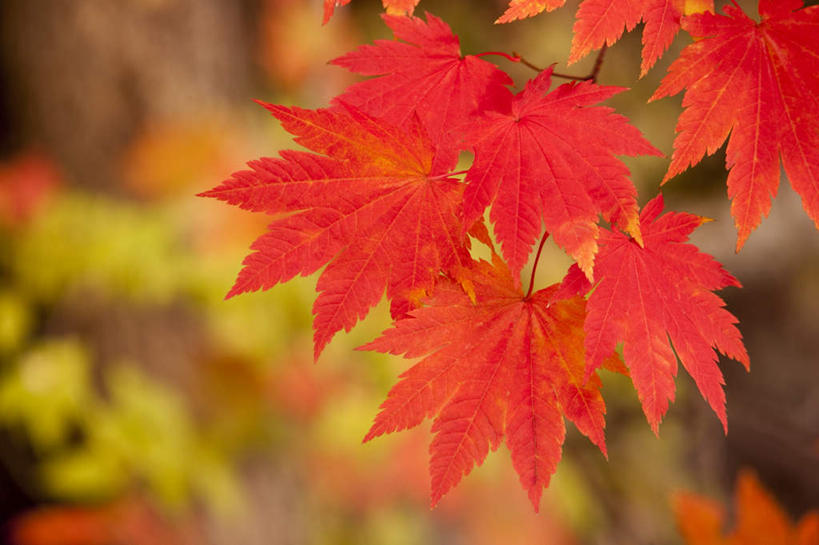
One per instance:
(759,519)
(293,52)
(170,157)
(128,522)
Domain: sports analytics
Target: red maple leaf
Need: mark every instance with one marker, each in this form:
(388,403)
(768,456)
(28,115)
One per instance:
(759,519)
(425,74)
(372,207)
(650,294)
(506,365)
(550,158)
(758,81)
(602,22)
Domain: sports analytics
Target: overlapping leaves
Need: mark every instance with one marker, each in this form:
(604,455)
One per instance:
(376,202)
(372,208)
(650,294)
(599,22)
(758,81)
(424,74)
(550,159)
(506,366)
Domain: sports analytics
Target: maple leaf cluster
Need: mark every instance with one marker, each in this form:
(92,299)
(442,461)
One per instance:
(377,201)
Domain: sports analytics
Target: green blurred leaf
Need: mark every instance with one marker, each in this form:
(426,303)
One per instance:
(116,247)
(15,321)
(47,392)
(143,435)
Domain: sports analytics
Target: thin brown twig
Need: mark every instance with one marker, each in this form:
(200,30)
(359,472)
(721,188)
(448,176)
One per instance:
(526,63)
(598,63)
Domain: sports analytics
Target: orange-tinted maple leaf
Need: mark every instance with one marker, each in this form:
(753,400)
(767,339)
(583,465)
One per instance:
(759,520)
(648,295)
(372,207)
(551,160)
(758,81)
(521,9)
(393,7)
(399,7)
(602,22)
(505,366)
(330,8)
(424,74)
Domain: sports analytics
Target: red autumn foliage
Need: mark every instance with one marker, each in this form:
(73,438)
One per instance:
(507,364)
(380,204)
(660,290)
(760,82)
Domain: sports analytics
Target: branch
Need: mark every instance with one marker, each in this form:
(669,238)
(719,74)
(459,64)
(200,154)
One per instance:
(592,76)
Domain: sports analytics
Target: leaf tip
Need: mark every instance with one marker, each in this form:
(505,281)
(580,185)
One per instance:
(467,285)
(741,239)
(698,6)
(234,291)
(584,257)
(654,423)
(261,103)
(535,494)
(319,342)
(633,229)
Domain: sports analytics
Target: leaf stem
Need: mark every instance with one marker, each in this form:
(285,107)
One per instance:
(526,63)
(514,57)
(598,63)
(534,267)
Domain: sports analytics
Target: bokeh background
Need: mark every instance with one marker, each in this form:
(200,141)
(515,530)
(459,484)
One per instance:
(139,407)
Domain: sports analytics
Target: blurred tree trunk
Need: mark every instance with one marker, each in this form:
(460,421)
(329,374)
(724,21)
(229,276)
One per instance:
(80,78)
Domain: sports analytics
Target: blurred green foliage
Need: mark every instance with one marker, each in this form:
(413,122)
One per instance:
(86,241)
(46,392)
(100,433)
